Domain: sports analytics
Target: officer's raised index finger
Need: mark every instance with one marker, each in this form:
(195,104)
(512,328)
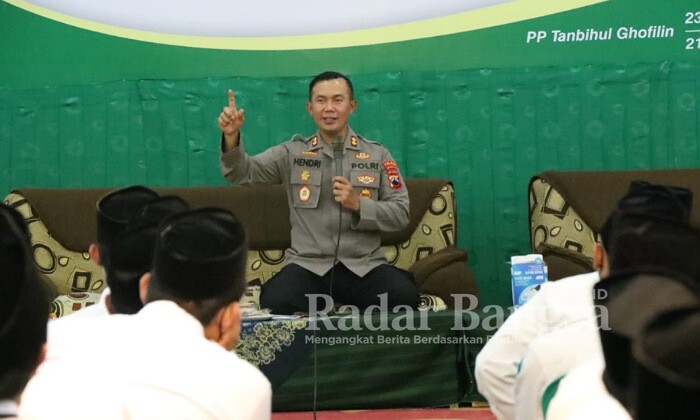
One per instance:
(231,99)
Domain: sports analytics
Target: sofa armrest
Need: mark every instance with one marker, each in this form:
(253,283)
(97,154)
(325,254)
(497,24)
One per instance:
(445,273)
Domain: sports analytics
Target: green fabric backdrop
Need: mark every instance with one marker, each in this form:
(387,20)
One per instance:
(489,130)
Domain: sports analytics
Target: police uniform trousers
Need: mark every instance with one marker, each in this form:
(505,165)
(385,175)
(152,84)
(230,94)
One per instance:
(288,291)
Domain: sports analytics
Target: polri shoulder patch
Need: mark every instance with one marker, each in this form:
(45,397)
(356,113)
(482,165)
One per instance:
(392,173)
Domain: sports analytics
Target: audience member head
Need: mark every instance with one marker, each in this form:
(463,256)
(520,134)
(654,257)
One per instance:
(628,302)
(643,201)
(666,367)
(653,265)
(131,253)
(24,306)
(199,263)
(114,210)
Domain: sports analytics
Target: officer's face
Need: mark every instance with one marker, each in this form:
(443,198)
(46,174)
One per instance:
(330,107)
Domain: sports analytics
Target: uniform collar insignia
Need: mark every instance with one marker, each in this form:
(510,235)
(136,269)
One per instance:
(314,143)
(354,143)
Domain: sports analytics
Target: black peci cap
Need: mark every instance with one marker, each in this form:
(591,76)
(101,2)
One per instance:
(201,254)
(662,201)
(115,210)
(666,367)
(643,244)
(23,299)
(157,210)
(644,199)
(131,253)
(628,302)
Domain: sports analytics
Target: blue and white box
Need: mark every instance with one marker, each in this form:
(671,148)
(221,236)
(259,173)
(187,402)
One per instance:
(527,273)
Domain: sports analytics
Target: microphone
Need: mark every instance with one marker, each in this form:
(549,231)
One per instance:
(338,145)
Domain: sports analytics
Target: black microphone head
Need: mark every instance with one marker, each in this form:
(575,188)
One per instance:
(338,144)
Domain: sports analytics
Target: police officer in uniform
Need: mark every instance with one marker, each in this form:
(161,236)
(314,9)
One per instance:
(356,196)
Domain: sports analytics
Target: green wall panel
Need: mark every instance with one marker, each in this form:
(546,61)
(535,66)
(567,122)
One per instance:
(489,130)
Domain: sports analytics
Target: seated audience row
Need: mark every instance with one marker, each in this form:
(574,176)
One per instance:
(648,265)
(175,277)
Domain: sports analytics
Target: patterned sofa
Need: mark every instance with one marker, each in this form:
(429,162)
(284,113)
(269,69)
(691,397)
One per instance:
(62,224)
(568,209)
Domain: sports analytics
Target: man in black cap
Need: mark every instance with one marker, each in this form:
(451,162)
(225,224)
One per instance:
(114,211)
(662,269)
(23,311)
(131,253)
(173,358)
(558,306)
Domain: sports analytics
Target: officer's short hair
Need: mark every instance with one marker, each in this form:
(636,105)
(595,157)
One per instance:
(331,75)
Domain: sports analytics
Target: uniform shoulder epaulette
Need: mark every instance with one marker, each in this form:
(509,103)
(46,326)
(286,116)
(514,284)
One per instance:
(299,137)
(367,140)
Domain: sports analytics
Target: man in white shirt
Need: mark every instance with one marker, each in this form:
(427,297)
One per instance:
(172,359)
(23,311)
(557,305)
(564,302)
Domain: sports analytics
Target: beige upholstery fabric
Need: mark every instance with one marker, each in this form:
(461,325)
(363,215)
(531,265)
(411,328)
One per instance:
(553,221)
(66,271)
(568,209)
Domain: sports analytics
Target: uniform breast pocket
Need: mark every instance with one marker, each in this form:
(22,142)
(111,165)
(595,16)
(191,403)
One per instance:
(306,186)
(365,183)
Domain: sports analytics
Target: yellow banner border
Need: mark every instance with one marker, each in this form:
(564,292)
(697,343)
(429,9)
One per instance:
(487,17)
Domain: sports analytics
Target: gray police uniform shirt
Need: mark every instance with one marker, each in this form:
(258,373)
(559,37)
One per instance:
(305,166)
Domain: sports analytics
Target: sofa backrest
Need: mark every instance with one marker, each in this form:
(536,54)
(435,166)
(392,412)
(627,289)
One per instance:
(568,209)
(70,214)
(594,194)
(62,225)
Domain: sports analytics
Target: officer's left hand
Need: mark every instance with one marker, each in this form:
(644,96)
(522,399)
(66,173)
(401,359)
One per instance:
(344,194)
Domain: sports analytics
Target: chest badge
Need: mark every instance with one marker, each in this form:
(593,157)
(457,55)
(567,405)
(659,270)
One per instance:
(361,156)
(305,175)
(365,179)
(365,193)
(304,193)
